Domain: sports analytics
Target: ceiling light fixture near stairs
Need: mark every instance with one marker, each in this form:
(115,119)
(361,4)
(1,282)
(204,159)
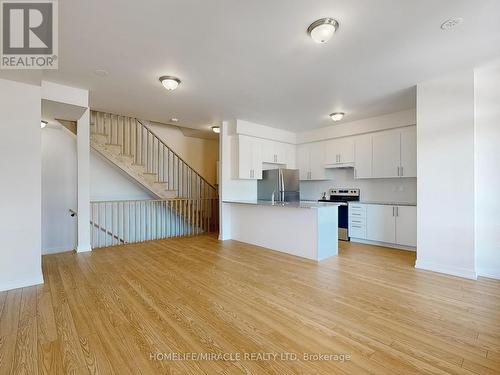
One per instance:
(337,116)
(43,124)
(170,82)
(322,30)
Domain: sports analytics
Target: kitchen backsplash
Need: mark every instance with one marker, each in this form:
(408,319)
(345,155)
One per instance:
(384,190)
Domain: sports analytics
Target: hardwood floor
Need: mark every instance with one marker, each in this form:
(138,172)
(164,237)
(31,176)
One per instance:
(123,310)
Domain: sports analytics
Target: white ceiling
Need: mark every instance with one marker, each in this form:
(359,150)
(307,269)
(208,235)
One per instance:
(252,59)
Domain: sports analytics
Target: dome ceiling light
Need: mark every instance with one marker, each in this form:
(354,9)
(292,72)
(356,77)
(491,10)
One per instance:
(43,124)
(170,82)
(321,31)
(216,129)
(451,23)
(337,116)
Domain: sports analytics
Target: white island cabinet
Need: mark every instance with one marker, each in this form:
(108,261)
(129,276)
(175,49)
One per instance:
(304,229)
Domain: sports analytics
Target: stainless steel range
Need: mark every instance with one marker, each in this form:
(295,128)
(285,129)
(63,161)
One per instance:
(342,196)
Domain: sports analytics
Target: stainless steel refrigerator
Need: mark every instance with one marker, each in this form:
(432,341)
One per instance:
(283,182)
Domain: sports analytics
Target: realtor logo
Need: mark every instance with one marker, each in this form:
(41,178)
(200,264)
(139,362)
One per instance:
(29,34)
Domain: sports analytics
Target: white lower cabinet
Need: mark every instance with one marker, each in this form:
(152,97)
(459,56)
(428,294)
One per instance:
(381,223)
(406,225)
(384,223)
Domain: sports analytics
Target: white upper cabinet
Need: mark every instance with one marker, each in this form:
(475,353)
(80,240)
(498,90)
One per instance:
(290,156)
(268,151)
(406,225)
(339,151)
(278,153)
(311,161)
(363,156)
(386,154)
(408,152)
(247,157)
(395,153)
(304,161)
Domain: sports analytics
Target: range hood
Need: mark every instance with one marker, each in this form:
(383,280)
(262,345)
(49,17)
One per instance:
(339,166)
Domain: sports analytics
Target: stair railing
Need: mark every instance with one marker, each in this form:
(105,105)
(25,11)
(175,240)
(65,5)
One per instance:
(138,140)
(120,222)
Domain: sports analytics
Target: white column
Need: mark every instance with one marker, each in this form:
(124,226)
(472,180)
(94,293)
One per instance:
(83,156)
(445,185)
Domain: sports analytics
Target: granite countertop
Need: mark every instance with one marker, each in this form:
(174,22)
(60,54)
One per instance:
(301,204)
(386,203)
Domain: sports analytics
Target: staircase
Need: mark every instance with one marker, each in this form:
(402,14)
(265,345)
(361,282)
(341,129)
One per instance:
(181,193)
(132,146)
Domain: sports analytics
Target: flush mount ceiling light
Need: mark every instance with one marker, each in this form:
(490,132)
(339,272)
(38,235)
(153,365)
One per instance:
(322,30)
(174,119)
(43,124)
(216,129)
(337,116)
(451,23)
(101,72)
(170,83)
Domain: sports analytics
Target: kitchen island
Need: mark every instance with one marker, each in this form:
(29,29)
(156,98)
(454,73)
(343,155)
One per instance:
(305,229)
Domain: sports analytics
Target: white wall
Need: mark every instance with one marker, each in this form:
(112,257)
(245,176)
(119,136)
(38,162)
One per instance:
(59,191)
(445,198)
(20,190)
(59,187)
(201,154)
(368,125)
(230,189)
(487,122)
(108,183)
(381,190)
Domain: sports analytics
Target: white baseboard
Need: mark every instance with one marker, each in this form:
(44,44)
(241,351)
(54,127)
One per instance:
(449,270)
(83,249)
(21,283)
(384,244)
(488,272)
(56,250)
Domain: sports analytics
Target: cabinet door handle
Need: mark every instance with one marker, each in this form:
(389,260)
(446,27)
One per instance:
(397,211)
(398,172)
(402,173)
(393,210)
